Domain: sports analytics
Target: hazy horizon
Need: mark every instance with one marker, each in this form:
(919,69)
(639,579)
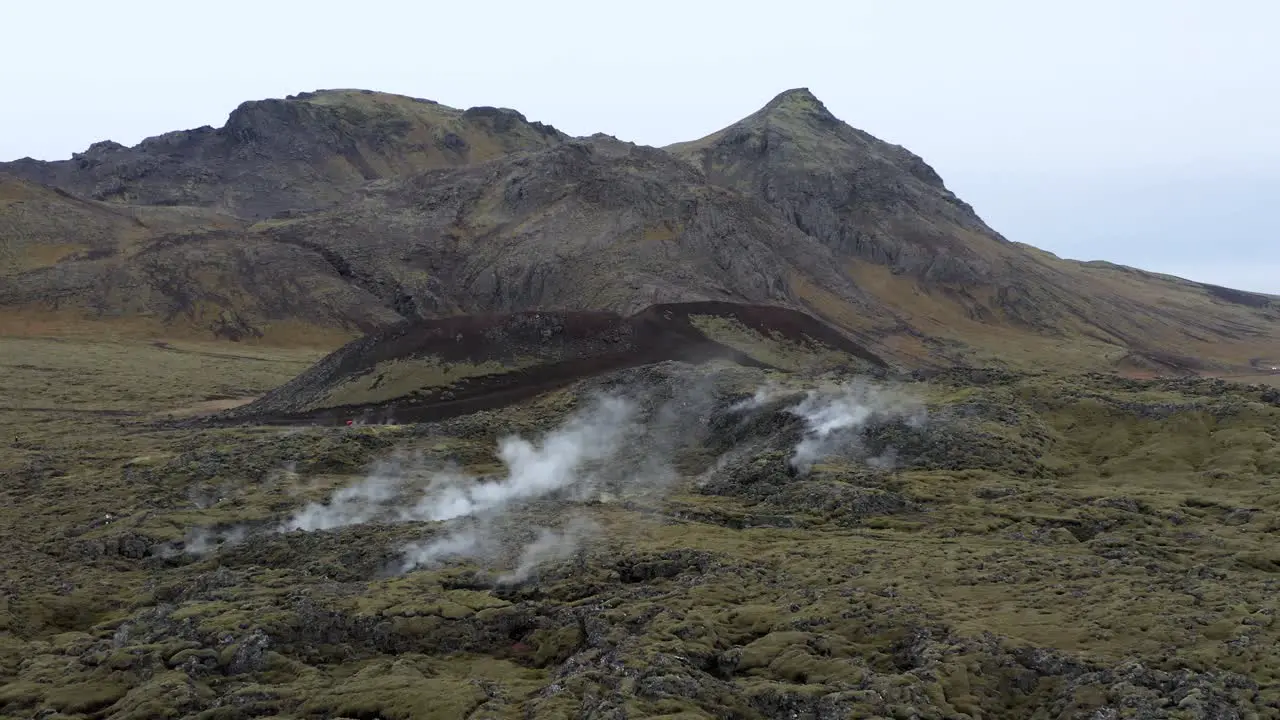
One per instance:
(1137,134)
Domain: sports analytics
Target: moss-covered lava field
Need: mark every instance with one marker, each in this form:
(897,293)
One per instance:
(670,541)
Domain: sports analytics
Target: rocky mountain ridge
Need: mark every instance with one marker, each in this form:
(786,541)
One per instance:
(330,214)
(302,153)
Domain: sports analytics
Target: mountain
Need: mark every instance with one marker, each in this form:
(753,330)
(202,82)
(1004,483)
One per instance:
(861,196)
(591,224)
(330,214)
(926,255)
(304,152)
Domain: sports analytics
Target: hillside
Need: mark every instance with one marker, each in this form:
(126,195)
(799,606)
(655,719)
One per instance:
(588,225)
(331,214)
(925,255)
(165,272)
(425,370)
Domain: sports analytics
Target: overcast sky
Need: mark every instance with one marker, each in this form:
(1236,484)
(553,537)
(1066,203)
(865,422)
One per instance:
(1145,132)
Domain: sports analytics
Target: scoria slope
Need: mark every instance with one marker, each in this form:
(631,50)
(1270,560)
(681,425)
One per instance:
(428,370)
(942,273)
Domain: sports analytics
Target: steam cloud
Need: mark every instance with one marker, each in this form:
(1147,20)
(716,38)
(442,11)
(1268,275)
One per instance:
(364,502)
(550,546)
(560,463)
(535,470)
(571,461)
(833,416)
(608,444)
(762,396)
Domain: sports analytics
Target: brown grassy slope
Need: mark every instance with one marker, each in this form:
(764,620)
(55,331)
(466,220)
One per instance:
(166,272)
(931,261)
(42,226)
(304,152)
(133,272)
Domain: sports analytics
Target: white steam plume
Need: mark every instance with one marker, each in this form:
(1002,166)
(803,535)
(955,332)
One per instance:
(464,543)
(360,503)
(550,545)
(763,395)
(374,499)
(834,415)
(200,541)
(534,470)
(566,463)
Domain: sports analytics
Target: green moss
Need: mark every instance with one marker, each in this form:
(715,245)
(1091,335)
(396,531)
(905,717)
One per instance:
(760,653)
(554,646)
(86,697)
(399,694)
(1144,529)
(773,350)
(57,614)
(1266,560)
(400,378)
(21,694)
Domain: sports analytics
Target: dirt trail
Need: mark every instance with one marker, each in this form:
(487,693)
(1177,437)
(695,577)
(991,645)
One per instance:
(226,356)
(207,407)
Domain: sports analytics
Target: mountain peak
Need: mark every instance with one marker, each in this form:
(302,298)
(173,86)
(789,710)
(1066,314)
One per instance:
(794,95)
(798,103)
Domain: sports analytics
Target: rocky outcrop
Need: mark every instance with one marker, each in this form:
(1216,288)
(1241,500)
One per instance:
(861,196)
(301,153)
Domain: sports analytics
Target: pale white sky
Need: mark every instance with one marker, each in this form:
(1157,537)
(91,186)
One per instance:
(1145,132)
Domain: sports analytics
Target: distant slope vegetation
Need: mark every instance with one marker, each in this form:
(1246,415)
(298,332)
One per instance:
(433,369)
(164,271)
(42,226)
(330,214)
